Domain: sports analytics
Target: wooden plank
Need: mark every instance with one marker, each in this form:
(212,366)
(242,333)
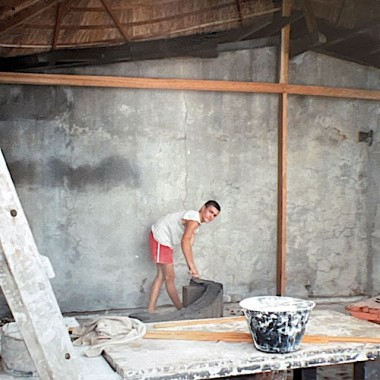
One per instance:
(28,291)
(282,155)
(185,85)
(241,337)
(199,335)
(336,92)
(198,322)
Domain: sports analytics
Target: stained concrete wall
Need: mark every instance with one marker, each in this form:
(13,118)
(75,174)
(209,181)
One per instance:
(95,167)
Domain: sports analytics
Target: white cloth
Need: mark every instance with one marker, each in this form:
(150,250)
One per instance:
(102,332)
(169,229)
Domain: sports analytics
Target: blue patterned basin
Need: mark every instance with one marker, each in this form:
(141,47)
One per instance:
(277,324)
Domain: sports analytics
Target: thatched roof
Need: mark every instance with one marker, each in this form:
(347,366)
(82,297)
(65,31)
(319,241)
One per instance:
(43,34)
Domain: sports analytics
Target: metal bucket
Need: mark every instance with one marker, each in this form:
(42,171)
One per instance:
(15,356)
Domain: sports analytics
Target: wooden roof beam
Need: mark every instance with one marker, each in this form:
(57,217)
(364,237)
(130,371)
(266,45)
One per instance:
(26,14)
(115,20)
(16,6)
(305,43)
(61,12)
(335,37)
(185,85)
(205,46)
(276,26)
(311,40)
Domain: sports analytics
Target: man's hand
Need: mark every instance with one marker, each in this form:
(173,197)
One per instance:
(194,274)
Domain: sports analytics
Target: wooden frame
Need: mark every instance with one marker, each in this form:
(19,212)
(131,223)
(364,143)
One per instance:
(185,85)
(283,89)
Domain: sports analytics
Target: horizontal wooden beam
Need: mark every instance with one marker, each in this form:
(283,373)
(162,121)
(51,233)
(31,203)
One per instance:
(185,85)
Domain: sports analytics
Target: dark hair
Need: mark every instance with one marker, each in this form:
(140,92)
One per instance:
(213,203)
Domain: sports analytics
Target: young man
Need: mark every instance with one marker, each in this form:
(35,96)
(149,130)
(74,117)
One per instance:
(170,231)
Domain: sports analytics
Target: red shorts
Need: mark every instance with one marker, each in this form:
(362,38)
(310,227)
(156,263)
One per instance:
(161,254)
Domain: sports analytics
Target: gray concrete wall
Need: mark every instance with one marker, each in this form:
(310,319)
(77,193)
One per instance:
(94,168)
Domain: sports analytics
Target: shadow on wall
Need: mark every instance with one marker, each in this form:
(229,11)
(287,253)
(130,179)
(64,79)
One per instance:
(108,173)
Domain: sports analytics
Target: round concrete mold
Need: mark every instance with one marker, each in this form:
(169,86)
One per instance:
(14,353)
(277,324)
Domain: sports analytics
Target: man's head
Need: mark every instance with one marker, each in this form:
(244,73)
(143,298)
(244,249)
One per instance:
(209,211)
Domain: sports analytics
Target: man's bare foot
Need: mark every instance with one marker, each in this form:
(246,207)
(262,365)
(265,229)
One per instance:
(154,311)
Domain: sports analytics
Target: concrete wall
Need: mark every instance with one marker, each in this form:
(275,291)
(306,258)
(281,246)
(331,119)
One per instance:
(94,168)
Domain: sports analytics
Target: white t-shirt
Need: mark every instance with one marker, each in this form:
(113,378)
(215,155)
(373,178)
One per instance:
(169,229)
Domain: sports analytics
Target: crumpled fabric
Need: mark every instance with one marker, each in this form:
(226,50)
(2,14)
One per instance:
(103,332)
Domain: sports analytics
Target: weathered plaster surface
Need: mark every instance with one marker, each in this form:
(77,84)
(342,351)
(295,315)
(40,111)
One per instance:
(94,168)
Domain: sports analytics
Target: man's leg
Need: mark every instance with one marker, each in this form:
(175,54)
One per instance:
(169,277)
(156,288)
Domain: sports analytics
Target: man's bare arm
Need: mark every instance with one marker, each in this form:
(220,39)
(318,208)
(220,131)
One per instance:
(187,246)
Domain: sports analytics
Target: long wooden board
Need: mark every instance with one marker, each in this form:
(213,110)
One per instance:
(194,322)
(282,154)
(186,84)
(241,337)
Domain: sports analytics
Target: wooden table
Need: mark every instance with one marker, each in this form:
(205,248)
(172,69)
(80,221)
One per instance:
(187,359)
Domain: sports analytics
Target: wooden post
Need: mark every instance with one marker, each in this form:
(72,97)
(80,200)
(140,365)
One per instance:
(282,155)
(28,291)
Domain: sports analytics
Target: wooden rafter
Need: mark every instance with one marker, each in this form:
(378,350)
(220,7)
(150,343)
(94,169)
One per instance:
(238,8)
(26,14)
(276,26)
(311,21)
(194,46)
(115,20)
(313,38)
(16,6)
(61,12)
(341,36)
(340,12)
(308,42)
(161,20)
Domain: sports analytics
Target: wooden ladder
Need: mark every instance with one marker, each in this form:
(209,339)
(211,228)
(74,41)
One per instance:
(28,291)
